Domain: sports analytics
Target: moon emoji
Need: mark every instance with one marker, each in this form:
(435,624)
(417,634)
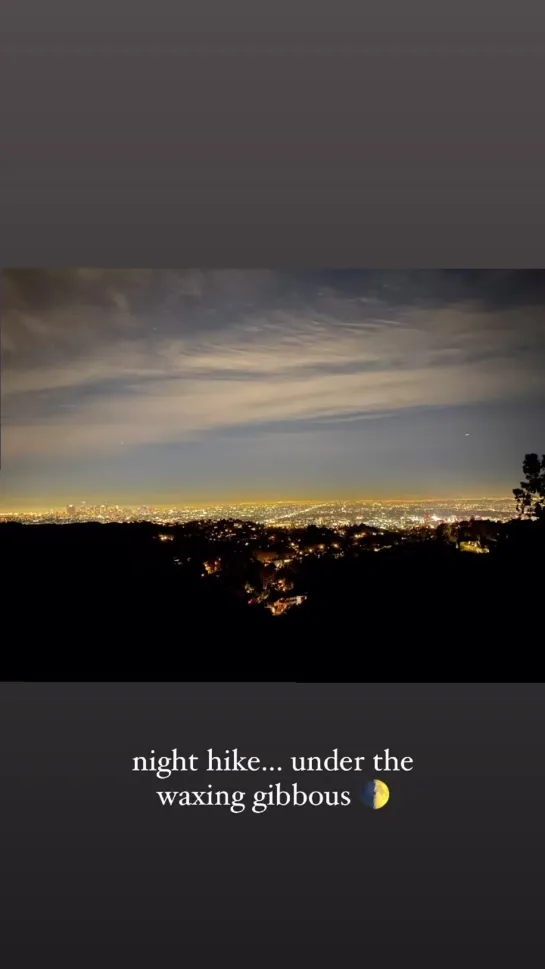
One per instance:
(375,794)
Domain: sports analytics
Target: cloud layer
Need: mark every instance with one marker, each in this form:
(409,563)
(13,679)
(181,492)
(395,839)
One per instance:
(95,361)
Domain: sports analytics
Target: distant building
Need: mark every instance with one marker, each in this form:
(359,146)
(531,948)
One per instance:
(473,547)
(266,556)
(282,605)
(213,567)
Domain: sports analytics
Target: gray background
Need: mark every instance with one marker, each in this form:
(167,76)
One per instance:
(258,133)
(95,871)
(233,134)
(454,863)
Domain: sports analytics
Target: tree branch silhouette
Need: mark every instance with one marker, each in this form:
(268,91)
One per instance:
(530,497)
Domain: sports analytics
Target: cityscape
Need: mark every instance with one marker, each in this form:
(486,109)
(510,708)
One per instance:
(268,557)
(254,470)
(334,514)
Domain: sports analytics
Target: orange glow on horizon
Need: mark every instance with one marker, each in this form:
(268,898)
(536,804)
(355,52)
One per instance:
(132,503)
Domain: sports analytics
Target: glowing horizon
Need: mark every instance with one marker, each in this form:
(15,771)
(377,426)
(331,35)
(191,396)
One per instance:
(261,503)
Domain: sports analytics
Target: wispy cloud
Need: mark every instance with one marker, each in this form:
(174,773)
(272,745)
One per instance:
(128,360)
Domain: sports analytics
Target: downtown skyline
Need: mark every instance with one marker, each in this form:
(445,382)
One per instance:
(207,387)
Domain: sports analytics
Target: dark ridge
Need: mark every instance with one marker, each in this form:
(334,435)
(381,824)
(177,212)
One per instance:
(107,602)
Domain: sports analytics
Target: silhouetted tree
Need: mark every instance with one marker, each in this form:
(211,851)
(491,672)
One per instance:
(448,533)
(530,497)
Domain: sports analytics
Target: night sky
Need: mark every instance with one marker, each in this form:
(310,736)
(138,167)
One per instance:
(201,386)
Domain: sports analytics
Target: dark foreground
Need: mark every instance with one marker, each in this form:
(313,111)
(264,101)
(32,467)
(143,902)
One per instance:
(118,602)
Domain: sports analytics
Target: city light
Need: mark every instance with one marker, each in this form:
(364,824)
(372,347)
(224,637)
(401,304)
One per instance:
(287,515)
